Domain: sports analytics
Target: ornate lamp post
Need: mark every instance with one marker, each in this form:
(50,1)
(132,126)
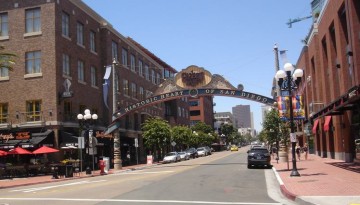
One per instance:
(87,120)
(117,151)
(288,80)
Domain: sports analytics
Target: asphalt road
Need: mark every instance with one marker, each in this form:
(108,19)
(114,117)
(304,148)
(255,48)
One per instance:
(222,178)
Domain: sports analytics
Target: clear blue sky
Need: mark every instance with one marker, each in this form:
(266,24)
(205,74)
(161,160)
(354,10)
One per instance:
(233,38)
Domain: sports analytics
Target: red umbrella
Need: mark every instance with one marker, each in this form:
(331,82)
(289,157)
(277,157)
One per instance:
(44,150)
(3,153)
(19,150)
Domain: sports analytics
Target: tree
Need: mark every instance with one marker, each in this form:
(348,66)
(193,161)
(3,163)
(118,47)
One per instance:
(7,60)
(229,131)
(157,134)
(275,129)
(181,135)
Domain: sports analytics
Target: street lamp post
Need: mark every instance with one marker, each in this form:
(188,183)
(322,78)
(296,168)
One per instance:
(289,81)
(86,120)
(117,151)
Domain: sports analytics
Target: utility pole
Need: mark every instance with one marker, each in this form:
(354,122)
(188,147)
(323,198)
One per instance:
(117,151)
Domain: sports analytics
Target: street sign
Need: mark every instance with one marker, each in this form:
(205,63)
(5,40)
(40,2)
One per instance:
(136,142)
(285,93)
(81,144)
(292,137)
(173,144)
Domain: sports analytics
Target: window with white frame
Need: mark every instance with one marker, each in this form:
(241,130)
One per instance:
(157,78)
(92,41)
(114,51)
(153,76)
(133,90)
(126,87)
(65,24)
(93,76)
(141,93)
(141,68)
(147,72)
(132,63)
(33,20)
(4,23)
(66,64)
(80,33)
(80,67)
(4,72)
(33,62)
(124,57)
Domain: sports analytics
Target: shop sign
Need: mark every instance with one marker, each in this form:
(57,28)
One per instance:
(7,137)
(103,135)
(23,136)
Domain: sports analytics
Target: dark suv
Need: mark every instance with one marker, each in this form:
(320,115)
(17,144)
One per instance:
(259,156)
(192,152)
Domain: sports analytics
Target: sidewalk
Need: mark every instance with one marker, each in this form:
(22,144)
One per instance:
(321,181)
(14,182)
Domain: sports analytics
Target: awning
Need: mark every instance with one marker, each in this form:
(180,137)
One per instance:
(36,139)
(316,122)
(68,139)
(327,123)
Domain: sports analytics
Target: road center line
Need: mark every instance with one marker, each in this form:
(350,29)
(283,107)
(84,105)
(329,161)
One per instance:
(127,173)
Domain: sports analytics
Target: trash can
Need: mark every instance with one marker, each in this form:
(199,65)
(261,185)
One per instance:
(69,170)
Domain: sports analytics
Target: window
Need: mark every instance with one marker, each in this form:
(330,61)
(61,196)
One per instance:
(114,51)
(126,87)
(153,76)
(67,110)
(141,68)
(195,113)
(4,72)
(157,78)
(124,57)
(33,62)
(179,111)
(80,66)
(93,76)
(133,90)
(65,24)
(147,72)
(80,33)
(194,103)
(132,62)
(66,65)
(4,30)
(4,112)
(33,23)
(141,93)
(92,41)
(33,110)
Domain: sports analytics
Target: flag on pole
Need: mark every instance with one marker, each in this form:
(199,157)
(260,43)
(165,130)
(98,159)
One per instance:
(106,85)
(283,56)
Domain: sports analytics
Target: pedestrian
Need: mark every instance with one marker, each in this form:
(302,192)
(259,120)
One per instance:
(273,151)
(128,157)
(298,150)
(305,149)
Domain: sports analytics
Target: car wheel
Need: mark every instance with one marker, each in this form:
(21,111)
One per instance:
(249,166)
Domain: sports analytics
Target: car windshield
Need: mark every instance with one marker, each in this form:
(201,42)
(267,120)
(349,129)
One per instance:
(259,151)
(181,152)
(170,154)
(201,148)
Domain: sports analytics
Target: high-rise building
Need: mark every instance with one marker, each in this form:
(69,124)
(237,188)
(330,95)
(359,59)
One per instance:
(242,116)
(201,110)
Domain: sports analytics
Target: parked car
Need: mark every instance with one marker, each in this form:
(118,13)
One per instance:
(258,156)
(201,151)
(184,156)
(208,149)
(234,148)
(171,157)
(192,152)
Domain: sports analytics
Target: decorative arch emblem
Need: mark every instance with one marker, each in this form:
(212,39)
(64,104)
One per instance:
(190,82)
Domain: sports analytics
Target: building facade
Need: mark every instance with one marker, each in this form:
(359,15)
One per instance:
(242,116)
(201,110)
(330,86)
(63,50)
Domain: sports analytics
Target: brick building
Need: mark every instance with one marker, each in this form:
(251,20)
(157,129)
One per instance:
(63,48)
(201,110)
(330,86)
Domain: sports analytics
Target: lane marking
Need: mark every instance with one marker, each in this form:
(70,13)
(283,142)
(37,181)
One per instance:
(56,186)
(138,201)
(139,172)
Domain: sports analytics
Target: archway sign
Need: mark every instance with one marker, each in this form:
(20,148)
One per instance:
(191,82)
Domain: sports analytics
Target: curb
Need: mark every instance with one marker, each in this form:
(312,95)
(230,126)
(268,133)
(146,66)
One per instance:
(283,188)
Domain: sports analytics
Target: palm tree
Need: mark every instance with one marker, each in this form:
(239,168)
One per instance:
(7,60)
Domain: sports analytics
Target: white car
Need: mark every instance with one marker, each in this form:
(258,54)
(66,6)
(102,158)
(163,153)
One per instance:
(184,155)
(201,151)
(171,157)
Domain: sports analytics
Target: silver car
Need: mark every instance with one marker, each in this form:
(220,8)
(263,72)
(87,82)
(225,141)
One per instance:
(201,151)
(184,155)
(171,157)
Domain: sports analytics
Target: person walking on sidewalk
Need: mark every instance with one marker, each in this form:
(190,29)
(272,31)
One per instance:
(298,151)
(305,149)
